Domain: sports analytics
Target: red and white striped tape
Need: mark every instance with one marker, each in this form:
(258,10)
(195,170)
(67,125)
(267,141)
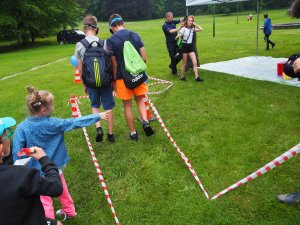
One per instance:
(99,172)
(276,162)
(185,159)
(271,165)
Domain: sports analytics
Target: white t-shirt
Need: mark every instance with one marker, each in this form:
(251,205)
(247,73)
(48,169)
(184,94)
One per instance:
(187,35)
(80,49)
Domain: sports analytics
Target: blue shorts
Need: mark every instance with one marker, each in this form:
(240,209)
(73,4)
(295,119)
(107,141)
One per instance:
(101,94)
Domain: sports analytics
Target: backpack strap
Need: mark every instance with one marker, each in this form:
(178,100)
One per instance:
(87,44)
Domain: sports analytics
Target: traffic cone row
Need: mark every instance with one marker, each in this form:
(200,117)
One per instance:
(74,109)
(77,75)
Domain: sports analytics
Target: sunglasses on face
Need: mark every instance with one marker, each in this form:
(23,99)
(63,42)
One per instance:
(8,132)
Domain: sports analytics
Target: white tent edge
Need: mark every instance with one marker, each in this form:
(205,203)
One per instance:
(208,2)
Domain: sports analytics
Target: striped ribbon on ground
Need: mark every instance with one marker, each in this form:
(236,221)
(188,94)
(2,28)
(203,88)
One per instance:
(99,172)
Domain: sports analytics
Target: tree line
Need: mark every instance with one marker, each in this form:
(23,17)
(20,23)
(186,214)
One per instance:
(25,20)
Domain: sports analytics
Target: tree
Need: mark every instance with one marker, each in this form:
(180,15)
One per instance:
(27,19)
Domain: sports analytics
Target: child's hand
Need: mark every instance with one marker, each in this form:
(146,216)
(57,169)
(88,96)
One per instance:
(105,115)
(37,153)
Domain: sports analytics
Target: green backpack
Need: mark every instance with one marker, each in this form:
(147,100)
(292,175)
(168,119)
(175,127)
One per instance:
(133,61)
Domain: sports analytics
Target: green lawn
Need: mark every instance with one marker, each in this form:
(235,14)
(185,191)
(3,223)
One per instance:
(227,126)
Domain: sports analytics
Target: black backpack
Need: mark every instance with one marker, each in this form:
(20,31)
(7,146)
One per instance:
(288,66)
(97,70)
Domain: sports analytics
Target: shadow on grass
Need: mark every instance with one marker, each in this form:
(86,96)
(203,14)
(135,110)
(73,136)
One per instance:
(12,46)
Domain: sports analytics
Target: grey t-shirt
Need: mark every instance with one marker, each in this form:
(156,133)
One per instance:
(80,49)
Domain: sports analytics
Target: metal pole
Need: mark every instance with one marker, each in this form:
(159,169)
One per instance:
(237,11)
(187,11)
(214,23)
(257,26)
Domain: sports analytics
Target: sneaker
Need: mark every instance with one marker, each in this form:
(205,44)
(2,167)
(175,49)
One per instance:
(99,136)
(147,128)
(182,78)
(60,212)
(134,137)
(289,198)
(198,79)
(111,137)
(175,74)
(273,45)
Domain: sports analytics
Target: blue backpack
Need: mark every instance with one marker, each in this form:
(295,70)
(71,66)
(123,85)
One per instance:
(96,70)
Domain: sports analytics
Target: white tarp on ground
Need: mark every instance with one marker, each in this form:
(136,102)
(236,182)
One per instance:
(253,67)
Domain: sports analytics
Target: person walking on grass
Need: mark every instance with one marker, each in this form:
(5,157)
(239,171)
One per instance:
(21,187)
(268,31)
(40,129)
(97,95)
(115,44)
(186,33)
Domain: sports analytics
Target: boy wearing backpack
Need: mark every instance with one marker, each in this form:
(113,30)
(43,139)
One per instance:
(115,44)
(95,71)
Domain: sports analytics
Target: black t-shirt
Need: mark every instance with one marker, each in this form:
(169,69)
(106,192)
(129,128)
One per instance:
(116,42)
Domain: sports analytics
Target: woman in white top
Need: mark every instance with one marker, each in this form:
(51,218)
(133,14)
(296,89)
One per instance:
(186,33)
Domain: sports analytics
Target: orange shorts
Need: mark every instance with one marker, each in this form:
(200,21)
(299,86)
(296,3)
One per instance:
(124,93)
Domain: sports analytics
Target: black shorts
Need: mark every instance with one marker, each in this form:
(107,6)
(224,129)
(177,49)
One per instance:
(187,48)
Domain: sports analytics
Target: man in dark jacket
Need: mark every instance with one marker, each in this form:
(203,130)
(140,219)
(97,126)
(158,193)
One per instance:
(170,31)
(268,31)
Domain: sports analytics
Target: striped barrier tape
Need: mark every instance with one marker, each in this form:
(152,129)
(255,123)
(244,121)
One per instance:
(271,165)
(185,159)
(99,172)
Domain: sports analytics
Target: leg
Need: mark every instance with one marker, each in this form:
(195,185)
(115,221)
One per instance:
(183,63)
(142,109)
(96,111)
(66,200)
(48,206)
(194,61)
(128,114)
(267,41)
(172,47)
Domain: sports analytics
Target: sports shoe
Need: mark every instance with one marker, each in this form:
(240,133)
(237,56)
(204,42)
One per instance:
(134,137)
(198,79)
(273,45)
(147,128)
(99,136)
(111,137)
(289,198)
(60,212)
(182,78)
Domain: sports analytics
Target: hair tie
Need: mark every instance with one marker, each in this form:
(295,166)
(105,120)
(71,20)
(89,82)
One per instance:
(37,104)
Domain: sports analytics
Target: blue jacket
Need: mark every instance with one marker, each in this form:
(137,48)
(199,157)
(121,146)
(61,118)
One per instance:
(48,134)
(267,26)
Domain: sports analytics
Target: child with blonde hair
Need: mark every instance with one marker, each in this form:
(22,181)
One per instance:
(40,129)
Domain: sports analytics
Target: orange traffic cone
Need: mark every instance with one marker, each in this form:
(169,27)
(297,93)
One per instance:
(149,115)
(77,76)
(74,109)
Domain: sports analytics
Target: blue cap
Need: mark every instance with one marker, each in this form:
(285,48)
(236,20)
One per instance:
(5,123)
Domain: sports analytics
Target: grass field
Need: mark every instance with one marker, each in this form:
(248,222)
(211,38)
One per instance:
(227,126)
